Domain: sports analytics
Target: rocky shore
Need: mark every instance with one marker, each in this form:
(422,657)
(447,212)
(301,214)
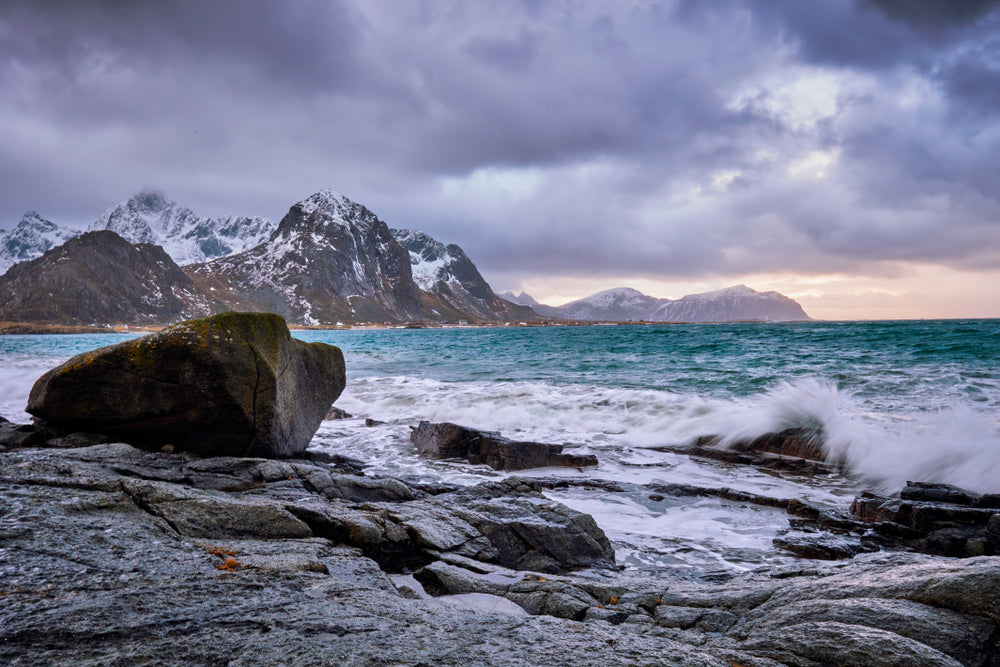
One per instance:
(111,555)
(115,553)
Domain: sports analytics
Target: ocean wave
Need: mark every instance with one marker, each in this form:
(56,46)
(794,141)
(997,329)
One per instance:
(952,444)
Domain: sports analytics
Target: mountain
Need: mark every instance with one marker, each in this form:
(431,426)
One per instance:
(329,260)
(32,236)
(623,304)
(732,304)
(149,217)
(525,299)
(452,285)
(332,260)
(100,278)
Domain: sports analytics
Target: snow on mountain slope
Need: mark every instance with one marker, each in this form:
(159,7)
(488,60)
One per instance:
(732,304)
(149,217)
(453,282)
(329,260)
(32,237)
(622,304)
(430,260)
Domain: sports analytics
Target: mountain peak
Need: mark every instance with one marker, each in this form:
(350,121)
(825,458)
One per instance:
(328,207)
(31,237)
(150,217)
(148,200)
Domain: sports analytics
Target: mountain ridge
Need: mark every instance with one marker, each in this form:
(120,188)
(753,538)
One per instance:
(149,217)
(30,238)
(625,304)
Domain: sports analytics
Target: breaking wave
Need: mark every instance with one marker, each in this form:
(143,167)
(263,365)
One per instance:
(950,444)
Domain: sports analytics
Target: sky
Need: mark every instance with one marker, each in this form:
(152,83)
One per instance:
(843,152)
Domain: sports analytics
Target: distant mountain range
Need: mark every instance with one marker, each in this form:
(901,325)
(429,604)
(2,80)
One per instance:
(329,260)
(733,304)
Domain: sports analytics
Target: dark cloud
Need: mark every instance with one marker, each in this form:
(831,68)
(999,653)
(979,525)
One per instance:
(686,138)
(310,43)
(935,15)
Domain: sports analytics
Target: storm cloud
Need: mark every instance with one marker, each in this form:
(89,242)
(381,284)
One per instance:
(661,140)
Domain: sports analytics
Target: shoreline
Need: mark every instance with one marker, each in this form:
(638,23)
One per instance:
(116,555)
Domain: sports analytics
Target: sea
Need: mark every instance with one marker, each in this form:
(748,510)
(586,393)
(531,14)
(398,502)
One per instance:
(897,401)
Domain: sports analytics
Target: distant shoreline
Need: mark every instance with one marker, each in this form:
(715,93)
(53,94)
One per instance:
(36,328)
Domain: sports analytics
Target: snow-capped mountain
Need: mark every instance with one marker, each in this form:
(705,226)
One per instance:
(149,217)
(332,260)
(733,304)
(100,278)
(329,260)
(622,304)
(452,285)
(32,236)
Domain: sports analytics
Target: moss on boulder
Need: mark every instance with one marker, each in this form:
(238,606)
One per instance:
(236,384)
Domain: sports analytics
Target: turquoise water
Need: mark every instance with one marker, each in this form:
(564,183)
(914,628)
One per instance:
(897,401)
(890,363)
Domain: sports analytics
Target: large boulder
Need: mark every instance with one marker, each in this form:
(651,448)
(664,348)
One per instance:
(235,384)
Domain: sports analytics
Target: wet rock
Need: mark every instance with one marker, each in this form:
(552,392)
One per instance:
(797,451)
(451,441)
(678,617)
(22,435)
(823,546)
(235,384)
(937,493)
(509,523)
(845,645)
(932,518)
(99,565)
(950,632)
(204,514)
(802,443)
(607,614)
(335,413)
(993,533)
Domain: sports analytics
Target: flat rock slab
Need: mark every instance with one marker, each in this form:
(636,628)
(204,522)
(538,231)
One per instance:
(235,384)
(451,441)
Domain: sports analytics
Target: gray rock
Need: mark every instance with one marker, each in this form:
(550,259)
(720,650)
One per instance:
(952,633)
(110,555)
(993,533)
(233,384)
(678,617)
(823,546)
(932,518)
(451,441)
(845,645)
(335,413)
